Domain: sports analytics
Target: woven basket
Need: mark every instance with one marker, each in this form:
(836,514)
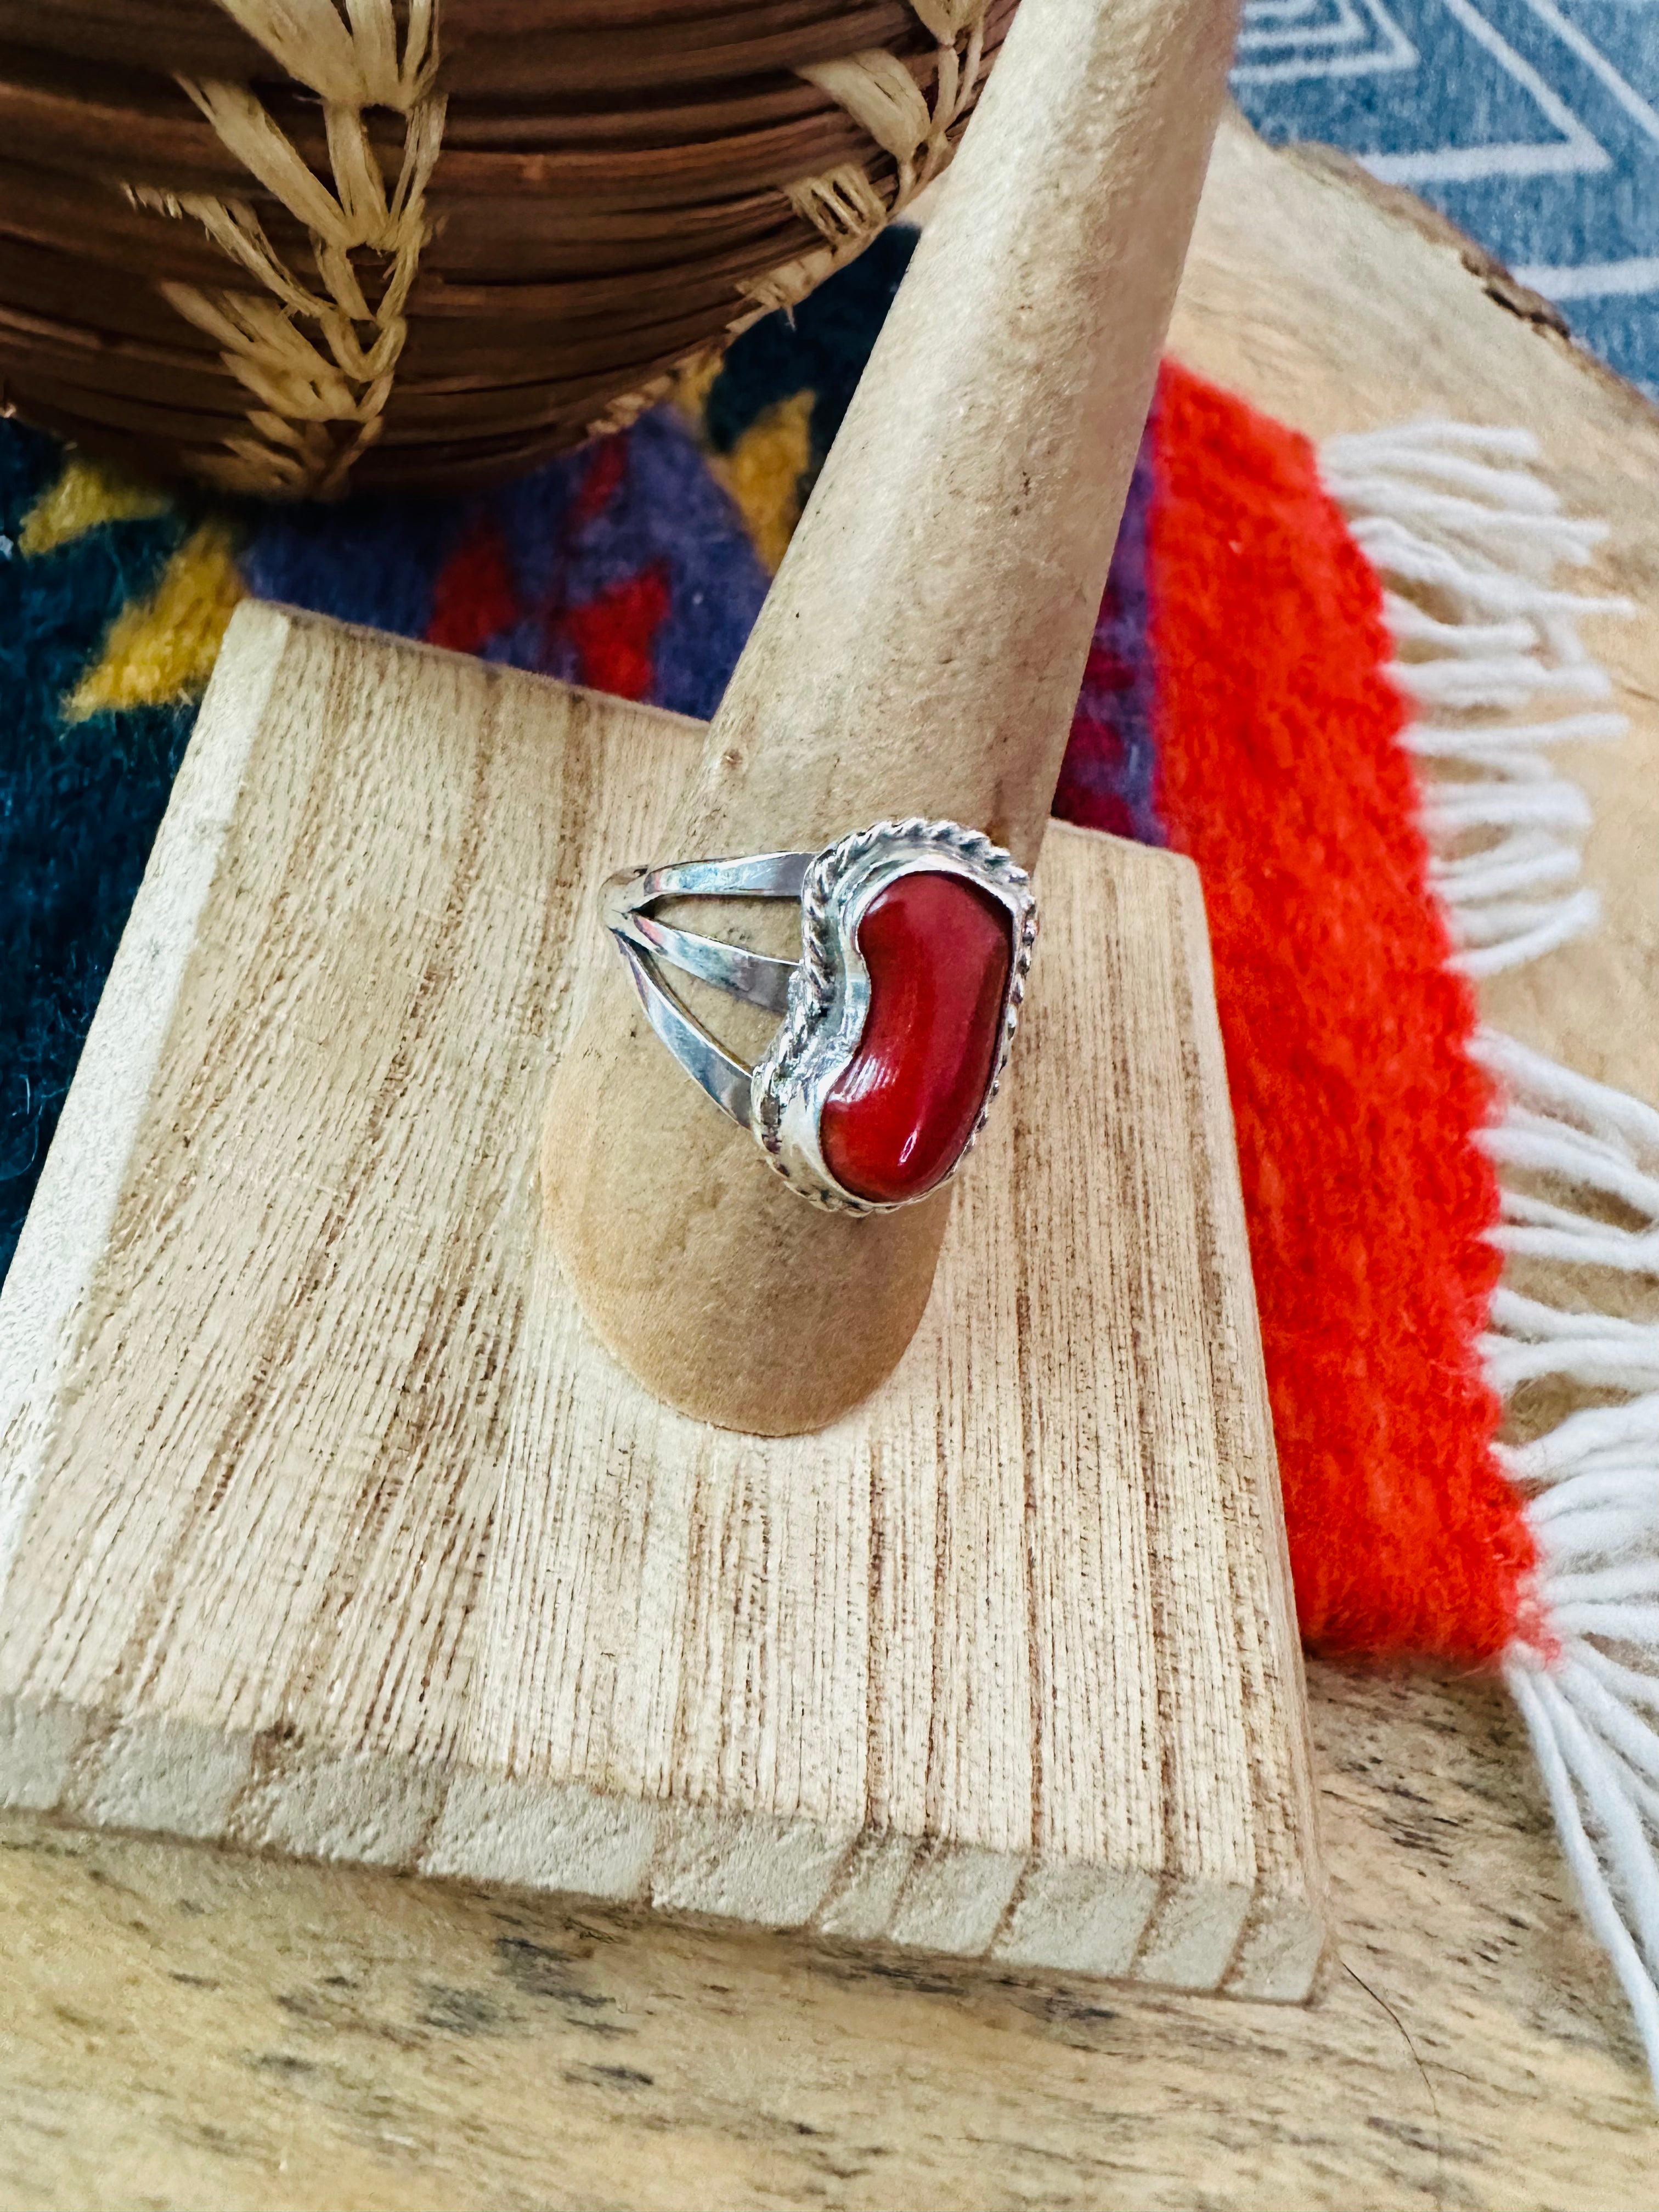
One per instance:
(282,246)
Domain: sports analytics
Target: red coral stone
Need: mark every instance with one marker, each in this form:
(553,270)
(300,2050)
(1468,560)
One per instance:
(940,951)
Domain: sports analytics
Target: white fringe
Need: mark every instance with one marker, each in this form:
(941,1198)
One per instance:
(1443,511)
(1591,1484)
(1592,1487)
(1437,514)
(1594,1507)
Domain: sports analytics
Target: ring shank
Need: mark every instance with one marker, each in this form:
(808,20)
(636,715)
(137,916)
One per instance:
(754,977)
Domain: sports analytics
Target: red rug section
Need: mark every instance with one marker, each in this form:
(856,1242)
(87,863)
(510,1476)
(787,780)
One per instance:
(1283,776)
(614,633)
(473,598)
(610,637)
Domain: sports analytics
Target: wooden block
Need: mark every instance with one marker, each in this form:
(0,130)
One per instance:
(330,1531)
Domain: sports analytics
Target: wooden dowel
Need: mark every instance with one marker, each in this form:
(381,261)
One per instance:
(920,652)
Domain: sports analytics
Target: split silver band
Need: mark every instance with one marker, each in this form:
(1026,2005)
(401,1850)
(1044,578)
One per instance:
(643,942)
(823,998)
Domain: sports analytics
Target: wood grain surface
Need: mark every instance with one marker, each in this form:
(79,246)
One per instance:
(332,1529)
(184,2026)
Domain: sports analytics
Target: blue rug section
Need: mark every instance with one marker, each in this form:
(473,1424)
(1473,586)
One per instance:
(1533,125)
(80,802)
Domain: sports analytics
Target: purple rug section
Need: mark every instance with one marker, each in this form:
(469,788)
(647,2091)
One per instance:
(1109,779)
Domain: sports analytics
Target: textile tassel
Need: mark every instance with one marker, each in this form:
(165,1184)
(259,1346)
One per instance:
(1586,1675)
(1468,543)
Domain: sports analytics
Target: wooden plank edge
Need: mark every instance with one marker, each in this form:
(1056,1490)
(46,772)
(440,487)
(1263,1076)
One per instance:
(894,1893)
(67,1229)
(1329,165)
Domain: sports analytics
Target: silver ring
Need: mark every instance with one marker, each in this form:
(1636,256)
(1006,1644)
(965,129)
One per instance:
(897,1020)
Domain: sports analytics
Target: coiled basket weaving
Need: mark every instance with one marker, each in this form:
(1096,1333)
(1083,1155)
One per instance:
(284,245)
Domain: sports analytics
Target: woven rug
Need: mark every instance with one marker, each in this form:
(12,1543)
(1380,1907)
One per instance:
(1533,124)
(1332,677)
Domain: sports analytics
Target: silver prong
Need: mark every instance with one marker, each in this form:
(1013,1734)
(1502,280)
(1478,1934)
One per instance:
(724,1079)
(757,875)
(755,976)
